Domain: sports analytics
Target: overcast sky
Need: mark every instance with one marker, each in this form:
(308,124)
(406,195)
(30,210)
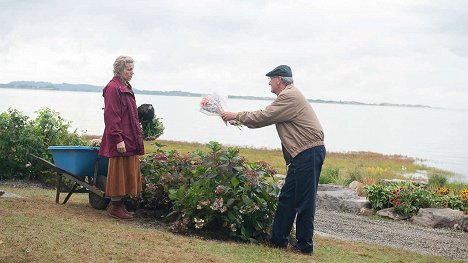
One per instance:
(406,52)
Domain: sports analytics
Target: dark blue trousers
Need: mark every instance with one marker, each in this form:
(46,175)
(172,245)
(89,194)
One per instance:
(297,198)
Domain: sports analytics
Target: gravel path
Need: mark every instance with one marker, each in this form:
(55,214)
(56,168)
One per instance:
(448,243)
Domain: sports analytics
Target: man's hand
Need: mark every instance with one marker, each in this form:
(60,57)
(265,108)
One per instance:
(228,116)
(121,147)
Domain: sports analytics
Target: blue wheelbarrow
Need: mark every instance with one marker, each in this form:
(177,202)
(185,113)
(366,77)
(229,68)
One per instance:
(82,166)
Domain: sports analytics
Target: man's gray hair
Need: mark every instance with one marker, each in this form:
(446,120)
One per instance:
(120,64)
(287,80)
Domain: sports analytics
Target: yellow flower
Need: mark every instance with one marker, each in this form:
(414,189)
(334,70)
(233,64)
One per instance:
(464,195)
(442,191)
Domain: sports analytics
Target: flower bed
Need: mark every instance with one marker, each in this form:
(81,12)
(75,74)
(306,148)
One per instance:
(408,197)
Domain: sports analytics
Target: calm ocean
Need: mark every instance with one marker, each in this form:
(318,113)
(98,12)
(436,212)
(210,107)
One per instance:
(437,136)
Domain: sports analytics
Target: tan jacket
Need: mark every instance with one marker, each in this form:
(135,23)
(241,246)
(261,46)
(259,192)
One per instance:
(298,127)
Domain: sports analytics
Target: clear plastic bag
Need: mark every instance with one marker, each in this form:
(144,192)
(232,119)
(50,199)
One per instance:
(212,105)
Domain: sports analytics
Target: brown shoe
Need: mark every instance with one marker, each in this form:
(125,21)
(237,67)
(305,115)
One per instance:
(116,210)
(132,214)
(132,204)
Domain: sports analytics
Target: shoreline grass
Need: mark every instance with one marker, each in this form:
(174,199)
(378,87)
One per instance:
(366,167)
(374,166)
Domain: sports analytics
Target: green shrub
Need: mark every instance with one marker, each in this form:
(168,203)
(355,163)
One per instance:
(450,201)
(20,137)
(325,179)
(214,190)
(329,175)
(153,129)
(437,180)
(408,198)
(379,195)
(17,142)
(354,175)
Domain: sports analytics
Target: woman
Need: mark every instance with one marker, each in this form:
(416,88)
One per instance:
(122,141)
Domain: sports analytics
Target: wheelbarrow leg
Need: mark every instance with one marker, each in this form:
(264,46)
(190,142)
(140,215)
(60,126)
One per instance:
(59,187)
(71,192)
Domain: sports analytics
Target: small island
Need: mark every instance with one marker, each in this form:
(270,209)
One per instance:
(40,85)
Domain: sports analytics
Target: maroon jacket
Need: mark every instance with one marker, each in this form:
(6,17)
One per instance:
(121,121)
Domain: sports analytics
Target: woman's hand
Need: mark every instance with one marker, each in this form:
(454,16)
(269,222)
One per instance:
(121,147)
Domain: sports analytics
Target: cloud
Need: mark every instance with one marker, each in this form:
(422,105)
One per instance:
(371,51)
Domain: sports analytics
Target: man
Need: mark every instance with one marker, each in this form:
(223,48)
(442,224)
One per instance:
(302,142)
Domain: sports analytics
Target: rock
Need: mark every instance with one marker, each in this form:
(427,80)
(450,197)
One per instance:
(358,187)
(390,181)
(9,195)
(413,180)
(440,217)
(1,192)
(390,213)
(465,223)
(366,211)
(419,176)
(339,198)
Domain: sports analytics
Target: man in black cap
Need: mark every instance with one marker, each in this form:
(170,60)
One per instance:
(302,142)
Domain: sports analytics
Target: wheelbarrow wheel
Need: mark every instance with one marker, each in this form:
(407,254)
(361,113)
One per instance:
(95,200)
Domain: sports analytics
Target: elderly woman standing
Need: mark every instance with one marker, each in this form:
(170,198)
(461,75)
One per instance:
(122,141)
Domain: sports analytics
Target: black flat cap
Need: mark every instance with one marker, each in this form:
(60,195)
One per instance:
(280,71)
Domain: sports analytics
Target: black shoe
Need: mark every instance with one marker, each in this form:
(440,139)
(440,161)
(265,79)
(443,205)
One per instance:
(301,251)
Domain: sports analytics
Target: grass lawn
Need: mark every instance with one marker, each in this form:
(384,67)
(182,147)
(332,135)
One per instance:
(35,229)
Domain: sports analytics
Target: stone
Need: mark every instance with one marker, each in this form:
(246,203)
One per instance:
(419,176)
(390,213)
(366,211)
(439,217)
(358,187)
(391,181)
(339,198)
(9,195)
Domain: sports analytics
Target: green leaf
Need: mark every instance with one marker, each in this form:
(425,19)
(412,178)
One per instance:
(231,216)
(230,201)
(234,182)
(238,168)
(246,200)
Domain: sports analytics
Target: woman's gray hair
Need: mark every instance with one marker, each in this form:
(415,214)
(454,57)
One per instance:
(120,64)
(287,80)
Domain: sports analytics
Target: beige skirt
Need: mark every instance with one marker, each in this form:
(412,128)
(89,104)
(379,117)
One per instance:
(123,176)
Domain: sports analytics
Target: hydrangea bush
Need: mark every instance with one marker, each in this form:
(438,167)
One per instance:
(217,190)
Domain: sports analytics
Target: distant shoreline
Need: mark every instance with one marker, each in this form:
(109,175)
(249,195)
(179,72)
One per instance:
(91,88)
